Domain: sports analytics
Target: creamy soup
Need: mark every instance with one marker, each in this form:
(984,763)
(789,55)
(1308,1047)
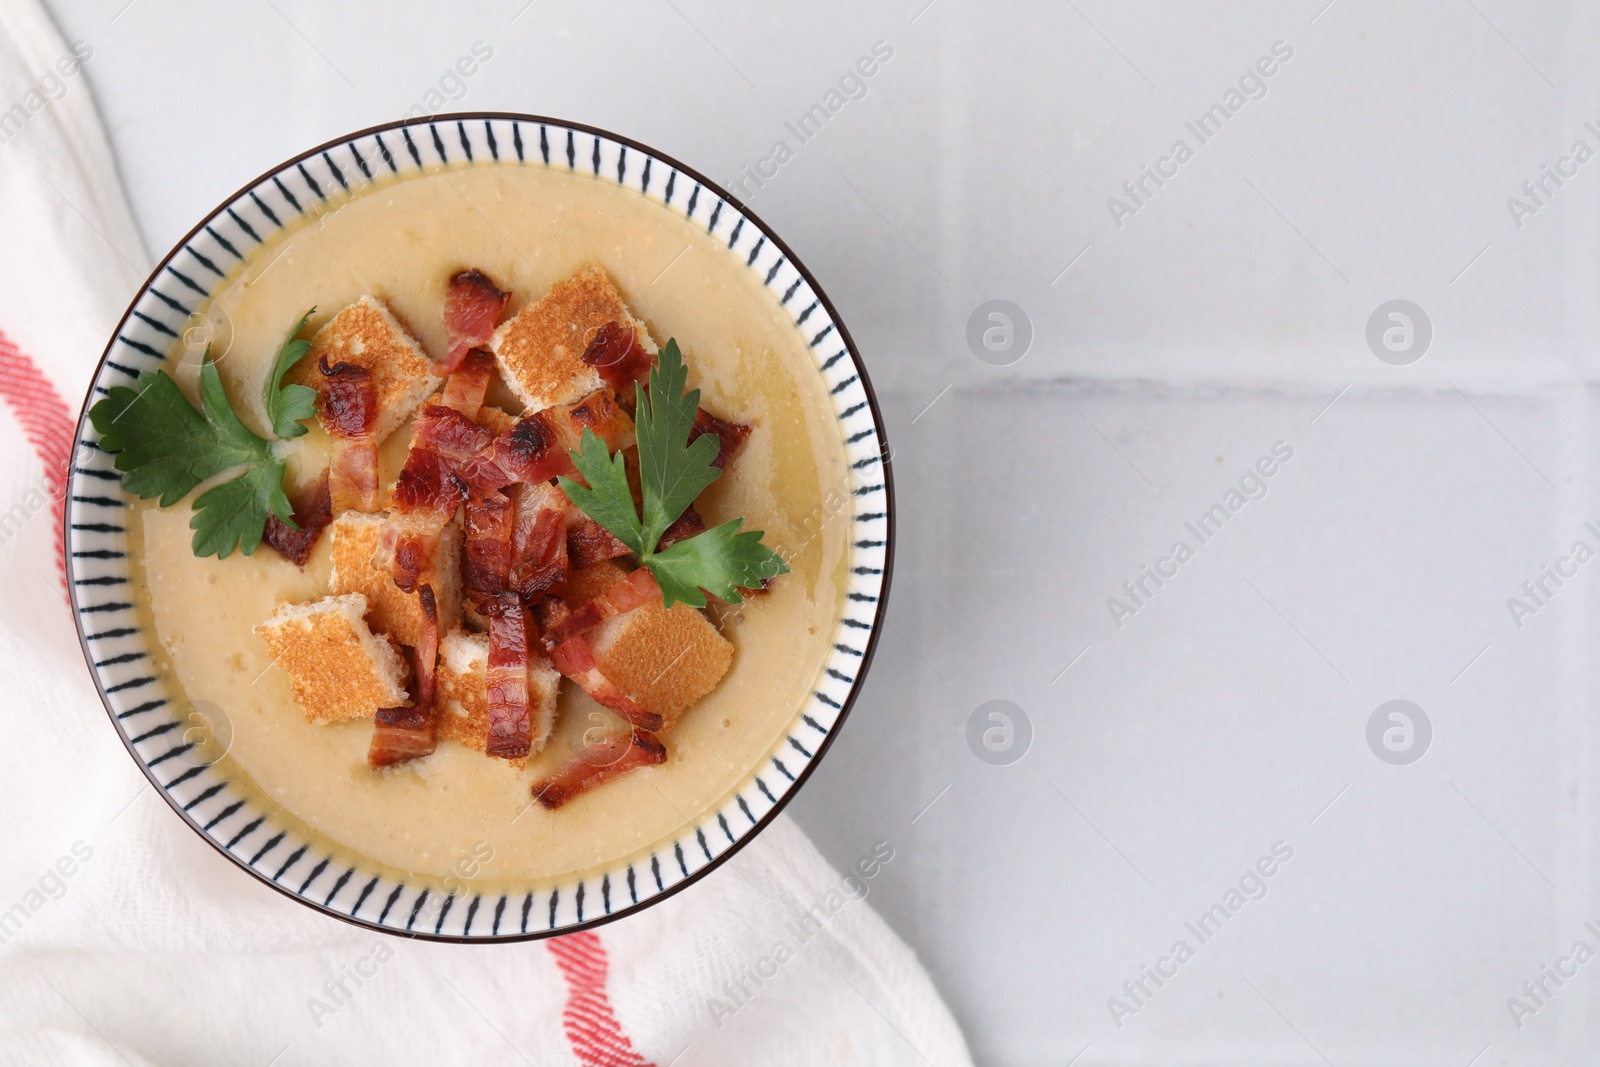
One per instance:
(527,227)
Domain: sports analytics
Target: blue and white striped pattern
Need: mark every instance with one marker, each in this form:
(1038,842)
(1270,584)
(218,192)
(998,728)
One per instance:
(118,649)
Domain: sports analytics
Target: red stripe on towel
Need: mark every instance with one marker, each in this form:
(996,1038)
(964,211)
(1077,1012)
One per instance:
(592,1028)
(47,423)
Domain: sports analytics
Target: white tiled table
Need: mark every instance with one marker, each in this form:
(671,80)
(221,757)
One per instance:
(1222,316)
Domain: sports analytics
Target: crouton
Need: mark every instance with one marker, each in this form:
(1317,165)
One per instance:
(583,584)
(390,610)
(338,668)
(665,660)
(540,349)
(367,335)
(461,702)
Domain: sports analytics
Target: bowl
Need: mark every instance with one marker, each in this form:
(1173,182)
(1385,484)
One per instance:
(176,744)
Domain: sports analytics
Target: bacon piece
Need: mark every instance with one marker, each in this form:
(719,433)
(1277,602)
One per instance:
(536,448)
(348,412)
(622,361)
(486,555)
(550,611)
(683,527)
(450,456)
(636,590)
(426,653)
(353,476)
(616,353)
(349,400)
(472,308)
(466,386)
(599,762)
(401,734)
(588,542)
(312,516)
(575,659)
(510,718)
(538,539)
(407,541)
(422,503)
(466,446)
(600,412)
(427,482)
(730,435)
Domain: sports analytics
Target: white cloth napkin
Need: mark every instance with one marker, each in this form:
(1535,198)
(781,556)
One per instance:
(126,939)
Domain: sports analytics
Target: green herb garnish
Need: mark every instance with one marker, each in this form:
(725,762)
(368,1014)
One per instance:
(672,472)
(165,448)
(288,404)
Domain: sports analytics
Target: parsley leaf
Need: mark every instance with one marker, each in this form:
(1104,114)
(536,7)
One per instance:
(606,499)
(287,405)
(672,473)
(165,448)
(720,561)
(234,513)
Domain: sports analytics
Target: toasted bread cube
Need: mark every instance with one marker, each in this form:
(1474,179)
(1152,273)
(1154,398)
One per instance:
(665,659)
(390,610)
(583,584)
(368,335)
(540,349)
(338,668)
(461,702)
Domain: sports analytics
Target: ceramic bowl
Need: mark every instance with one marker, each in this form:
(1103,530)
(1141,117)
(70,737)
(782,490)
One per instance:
(167,739)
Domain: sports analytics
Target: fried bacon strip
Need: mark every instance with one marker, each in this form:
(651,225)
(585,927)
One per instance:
(599,762)
(466,446)
(449,457)
(588,542)
(531,448)
(423,501)
(510,718)
(538,539)
(616,353)
(536,448)
(401,734)
(487,548)
(730,435)
(575,659)
(467,385)
(516,540)
(312,516)
(472,309)
(683,527)
(426,654)
(348,411)
(634,591)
